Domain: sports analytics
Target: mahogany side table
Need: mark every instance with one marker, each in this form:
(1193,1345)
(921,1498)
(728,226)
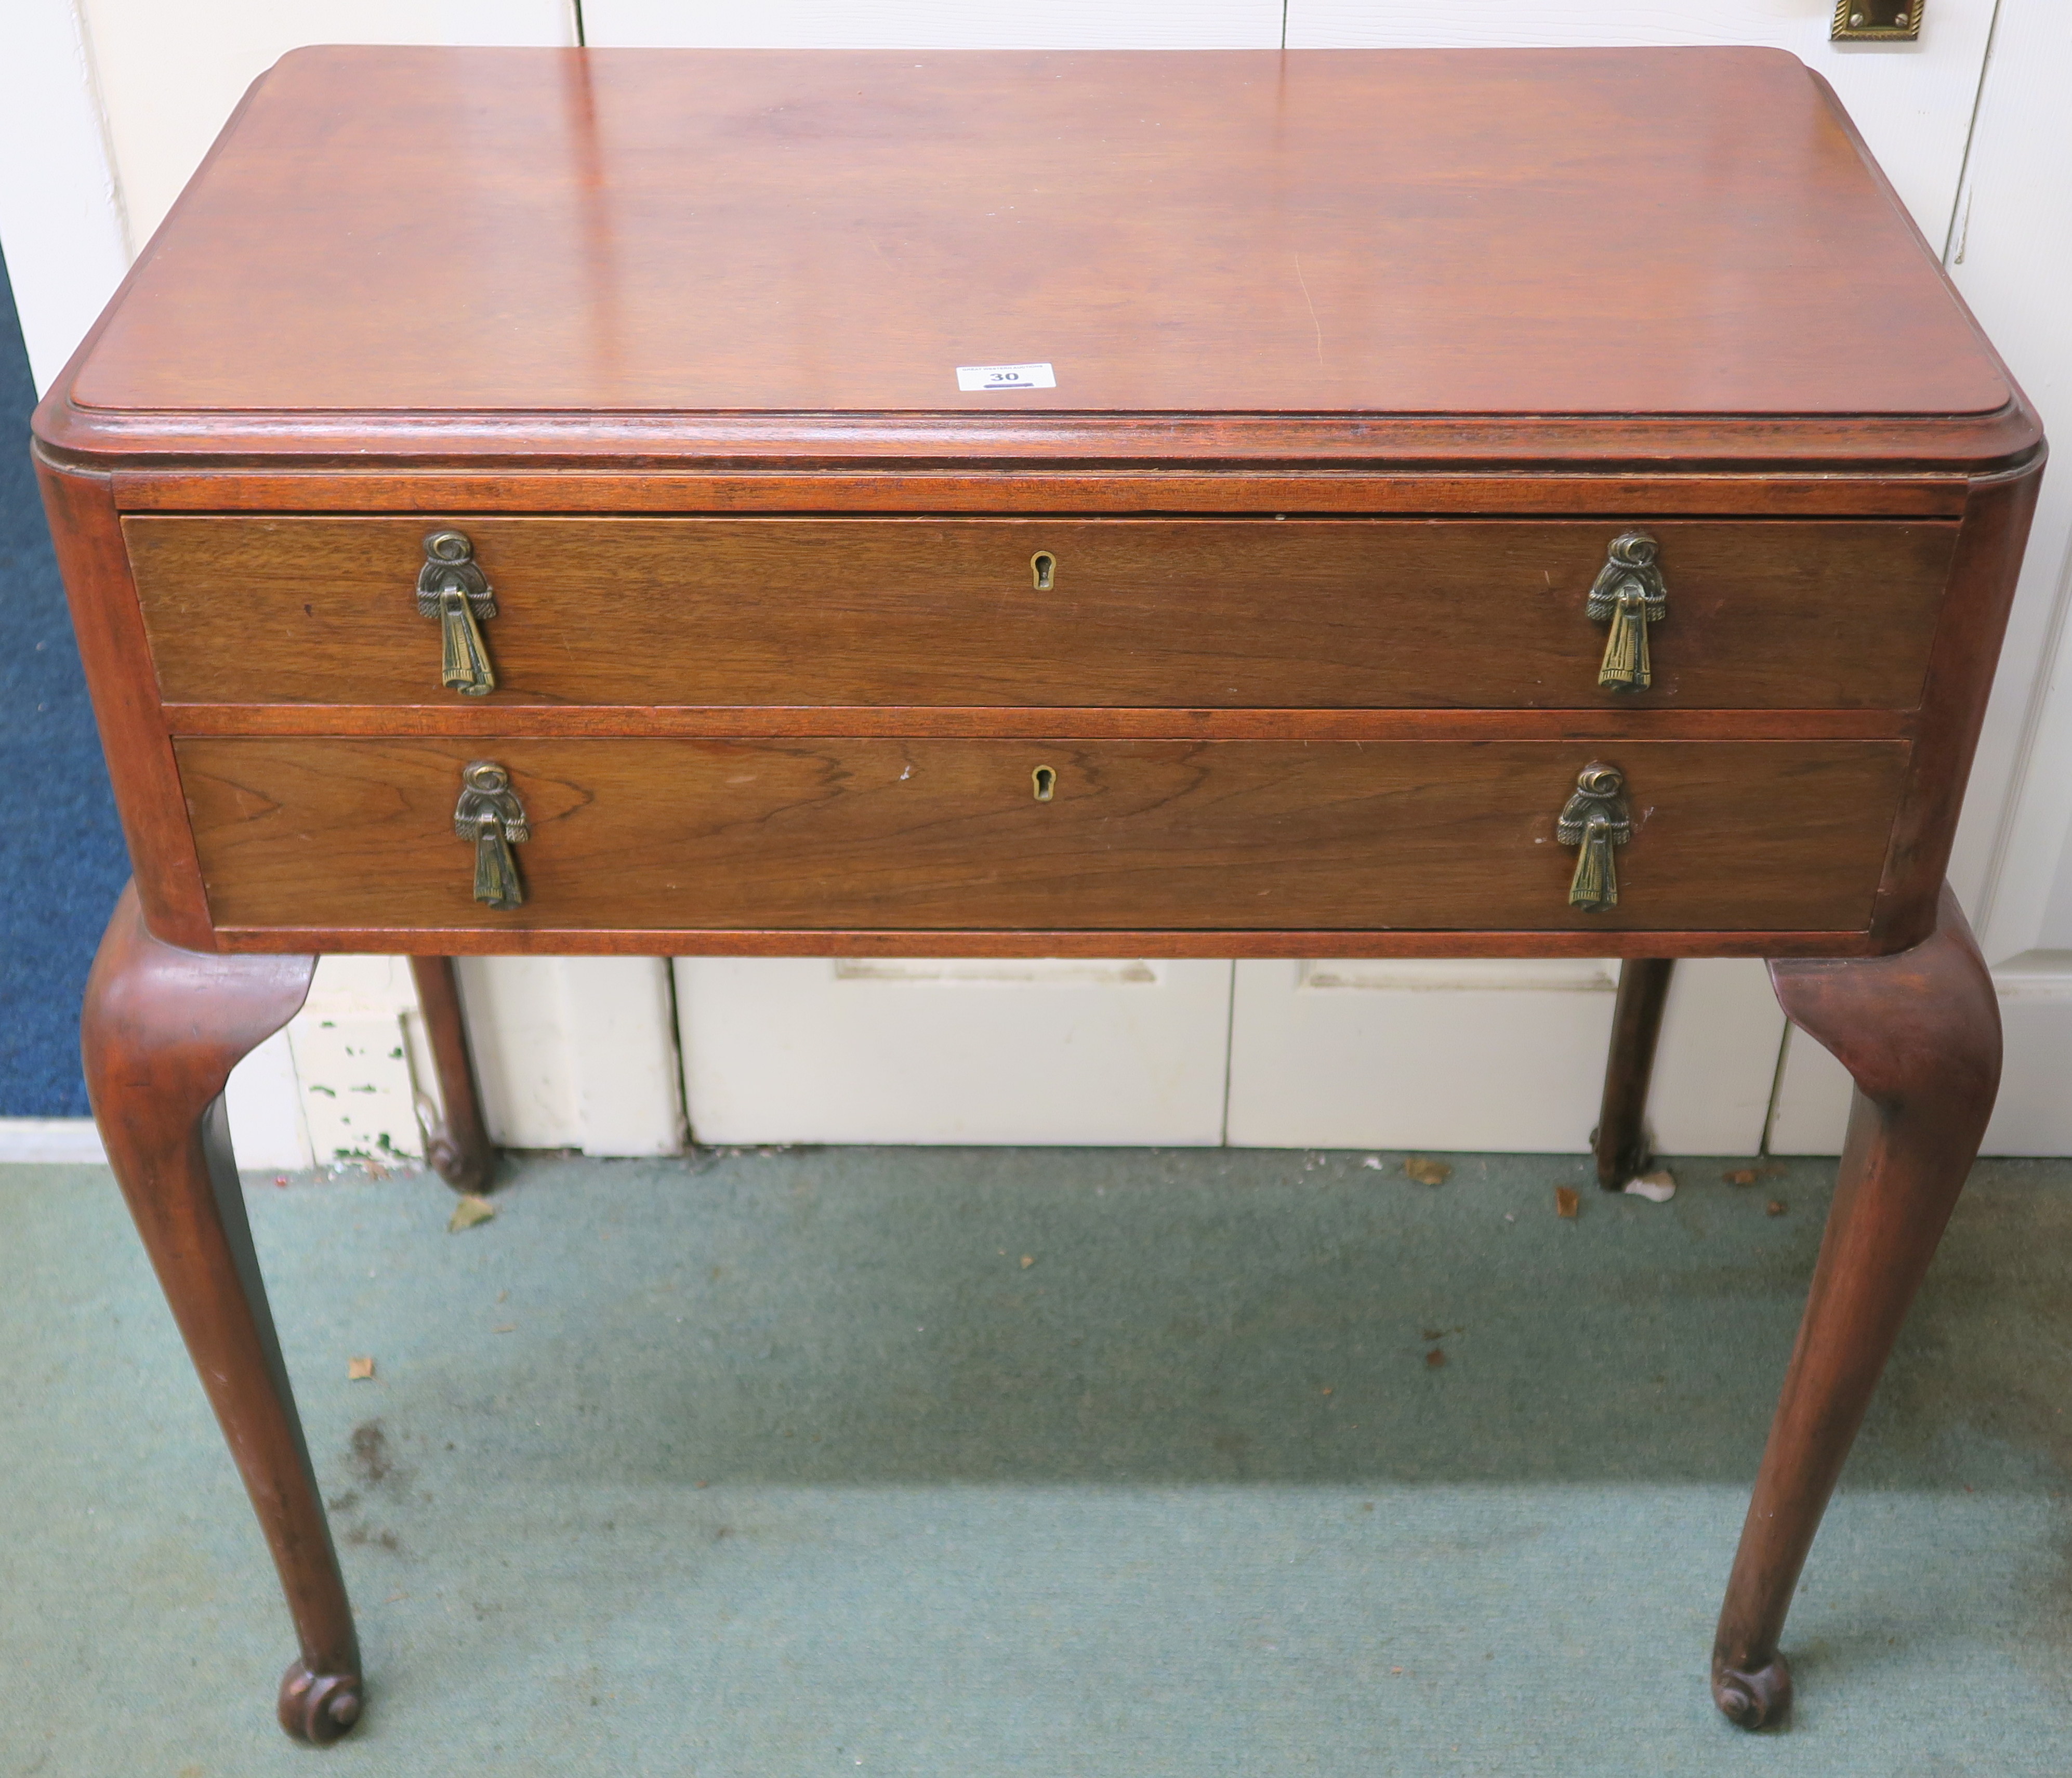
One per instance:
(1536,504)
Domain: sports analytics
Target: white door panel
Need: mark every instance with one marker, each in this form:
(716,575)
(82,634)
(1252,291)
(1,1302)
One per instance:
(2012,259)
(808,1049)
(1912,101)
(932,24)
(1489,1055)
(1716,1064)
(1812,1106)
(575,1052)
(170,76)
(1503,1056)
(60,221)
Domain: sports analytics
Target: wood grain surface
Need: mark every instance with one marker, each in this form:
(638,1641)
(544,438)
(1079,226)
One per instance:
(1154,613)
(843,833)
(629,721)
(115,655)
(1266,487)
(1424,232)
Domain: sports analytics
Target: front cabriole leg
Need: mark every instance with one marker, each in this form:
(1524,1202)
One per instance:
(1920,1033)
(161,1030)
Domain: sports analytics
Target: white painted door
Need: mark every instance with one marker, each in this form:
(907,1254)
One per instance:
(1490,1055)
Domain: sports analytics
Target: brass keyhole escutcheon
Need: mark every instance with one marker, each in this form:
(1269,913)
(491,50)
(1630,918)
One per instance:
(1043,571)
(1045,778)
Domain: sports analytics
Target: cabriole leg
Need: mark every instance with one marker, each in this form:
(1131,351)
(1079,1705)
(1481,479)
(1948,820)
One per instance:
(1620,1141)
(1920,1033)
(458,1145)
(161,1030)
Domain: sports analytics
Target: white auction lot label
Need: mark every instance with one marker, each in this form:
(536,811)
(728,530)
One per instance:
(984,376)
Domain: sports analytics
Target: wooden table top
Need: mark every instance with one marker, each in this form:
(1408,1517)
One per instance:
(1664,231)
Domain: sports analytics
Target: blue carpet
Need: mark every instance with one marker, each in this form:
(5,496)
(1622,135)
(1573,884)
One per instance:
(1028,1464)
(62,862)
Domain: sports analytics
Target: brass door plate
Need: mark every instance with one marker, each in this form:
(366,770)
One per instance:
(1876,21)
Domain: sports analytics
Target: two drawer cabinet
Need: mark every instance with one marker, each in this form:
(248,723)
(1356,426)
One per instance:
(599,630)
(1330,503)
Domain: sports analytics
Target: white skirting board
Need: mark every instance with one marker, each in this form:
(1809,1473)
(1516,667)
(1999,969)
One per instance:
(51,1140)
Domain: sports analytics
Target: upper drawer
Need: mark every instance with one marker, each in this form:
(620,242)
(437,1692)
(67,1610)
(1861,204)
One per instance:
(1205,613)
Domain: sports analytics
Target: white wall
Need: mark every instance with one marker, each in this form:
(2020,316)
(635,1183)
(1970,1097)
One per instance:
(60,212)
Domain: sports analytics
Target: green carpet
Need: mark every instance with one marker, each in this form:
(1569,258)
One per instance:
(1017,1463)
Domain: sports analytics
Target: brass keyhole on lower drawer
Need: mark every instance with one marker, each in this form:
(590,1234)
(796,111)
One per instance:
(1043,569)
(1046,783)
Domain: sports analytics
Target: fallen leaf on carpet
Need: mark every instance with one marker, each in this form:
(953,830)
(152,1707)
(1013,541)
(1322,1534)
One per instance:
(469,1211)
(1028,1260)
(359,1370)
(1435,1358)
(1775,1208)
(1566,1201)
(1427,1172)
(1657,1187)
(1744,1176)
(508,1327)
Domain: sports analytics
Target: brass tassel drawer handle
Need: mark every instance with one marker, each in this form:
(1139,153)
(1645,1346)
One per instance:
(452,588)
(1628,595)
(1595,819)
(489,815)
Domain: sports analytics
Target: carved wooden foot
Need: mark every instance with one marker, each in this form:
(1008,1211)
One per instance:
(1921,1034)
(161,1031)
(318,1708)
(457,1145)
(1620,1140)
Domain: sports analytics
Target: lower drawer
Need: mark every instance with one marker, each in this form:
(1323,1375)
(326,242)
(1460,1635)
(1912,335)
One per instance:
(950,834)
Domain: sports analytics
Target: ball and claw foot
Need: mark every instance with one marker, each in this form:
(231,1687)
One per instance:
(1753,1700)
(318,1708)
